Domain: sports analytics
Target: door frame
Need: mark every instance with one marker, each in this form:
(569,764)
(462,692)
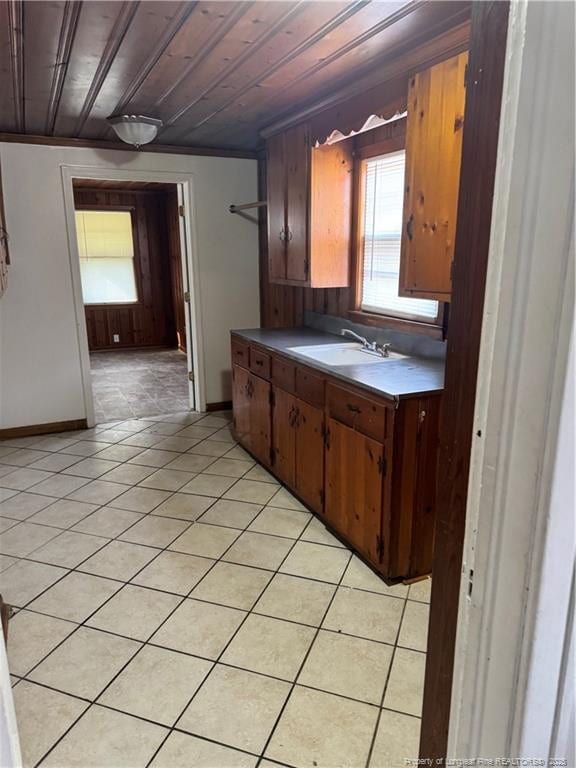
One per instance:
(501,624)
(190,272)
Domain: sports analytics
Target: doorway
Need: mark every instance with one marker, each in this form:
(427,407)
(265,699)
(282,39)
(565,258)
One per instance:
(130,260)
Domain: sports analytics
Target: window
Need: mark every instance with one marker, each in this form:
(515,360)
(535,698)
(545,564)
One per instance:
(382,198)
(106,249)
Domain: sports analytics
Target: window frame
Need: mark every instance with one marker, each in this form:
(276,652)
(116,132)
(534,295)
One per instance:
(131,209)
(433,327)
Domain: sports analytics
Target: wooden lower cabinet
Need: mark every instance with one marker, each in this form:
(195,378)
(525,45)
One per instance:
(252,420)
(298,446)
(365,464)
(355,489)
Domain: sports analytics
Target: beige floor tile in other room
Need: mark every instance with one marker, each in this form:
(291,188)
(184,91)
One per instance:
(235,708)
(349,666)
(414,629)
(364,614)
(76,596)
(184,506)
(154,531)
(236,586)
(406,684)
(202,629)
(316,561)
(270,646)
(69,549)
(26,580)
(56,711)
(119,560)
(33,636)
(319,729)
(205,540)
(103,738)
(134,612)
(259,549)
(173,572)
(85,662)
(234,514)
(183,751)
(157,684)
(296,599)
(397,741)
(280,522)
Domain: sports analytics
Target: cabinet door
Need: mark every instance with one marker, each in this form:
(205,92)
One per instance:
(354,465)
(276,196)
(297,196)
(309,481)
(260,418)
(433,149)
(241,404)
(284,435)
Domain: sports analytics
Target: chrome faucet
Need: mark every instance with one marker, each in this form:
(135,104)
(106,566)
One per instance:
(365,343)
(371,346)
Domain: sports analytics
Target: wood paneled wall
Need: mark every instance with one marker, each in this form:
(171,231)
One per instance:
(150,322)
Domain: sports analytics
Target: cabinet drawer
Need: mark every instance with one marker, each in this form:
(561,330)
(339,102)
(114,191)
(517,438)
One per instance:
(260,362)
(240,353)
(361,413)
(310,387)
(284,374)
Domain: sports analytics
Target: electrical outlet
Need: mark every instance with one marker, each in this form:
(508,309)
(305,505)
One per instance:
(116,338)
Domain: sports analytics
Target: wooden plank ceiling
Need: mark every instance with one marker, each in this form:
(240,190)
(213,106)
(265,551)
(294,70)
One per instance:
(214,72)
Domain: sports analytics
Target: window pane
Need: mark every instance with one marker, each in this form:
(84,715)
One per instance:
(106,250)
(383,199)
(108,281)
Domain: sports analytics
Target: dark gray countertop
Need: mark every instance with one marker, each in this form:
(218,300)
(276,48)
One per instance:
(396,379)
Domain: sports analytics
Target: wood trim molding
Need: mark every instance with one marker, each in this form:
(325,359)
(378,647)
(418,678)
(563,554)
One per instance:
(480,148)
(64,141)
(43,429)
(431,330)
(225,405)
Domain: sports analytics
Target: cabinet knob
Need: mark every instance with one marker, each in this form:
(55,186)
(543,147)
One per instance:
(282,235)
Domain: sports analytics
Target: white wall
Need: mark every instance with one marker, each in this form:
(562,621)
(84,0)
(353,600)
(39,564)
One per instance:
(40,374)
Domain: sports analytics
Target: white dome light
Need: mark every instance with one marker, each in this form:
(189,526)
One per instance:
(135,129)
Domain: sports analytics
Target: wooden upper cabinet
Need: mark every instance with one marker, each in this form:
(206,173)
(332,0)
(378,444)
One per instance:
(309,210)
(434,131)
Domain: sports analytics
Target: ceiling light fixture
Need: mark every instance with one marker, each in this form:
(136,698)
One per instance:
(135,129)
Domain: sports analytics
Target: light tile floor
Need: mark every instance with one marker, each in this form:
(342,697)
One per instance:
(178,608)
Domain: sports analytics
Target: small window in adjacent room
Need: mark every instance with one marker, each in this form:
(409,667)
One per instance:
(382,191)
(106,249)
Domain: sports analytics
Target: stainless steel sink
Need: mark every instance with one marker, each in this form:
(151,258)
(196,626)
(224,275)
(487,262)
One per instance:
(348,353)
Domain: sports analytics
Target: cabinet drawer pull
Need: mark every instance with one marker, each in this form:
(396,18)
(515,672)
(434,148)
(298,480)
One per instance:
(354,408)
(259,362)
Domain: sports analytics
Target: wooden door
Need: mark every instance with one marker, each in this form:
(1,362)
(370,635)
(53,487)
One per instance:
(276,197)
(309,481)
(241,403)
(434,131)
(260,418)
(354,468)
(284,435)
(297,200)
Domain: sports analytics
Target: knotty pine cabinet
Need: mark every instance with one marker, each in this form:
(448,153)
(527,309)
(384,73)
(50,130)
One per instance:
(434,129)
(365,464)
(309,210)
